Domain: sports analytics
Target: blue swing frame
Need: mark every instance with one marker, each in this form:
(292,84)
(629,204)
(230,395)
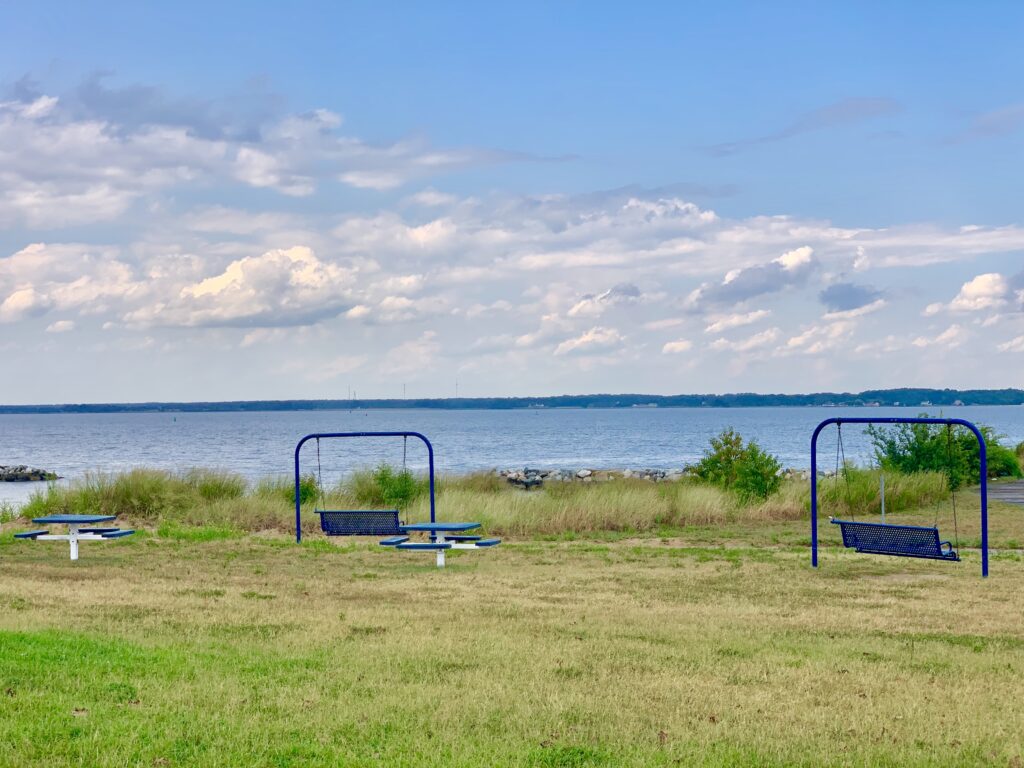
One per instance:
(983,458)
(328,435)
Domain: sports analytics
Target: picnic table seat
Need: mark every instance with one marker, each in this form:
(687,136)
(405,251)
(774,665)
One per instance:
(896,540)
(30,534)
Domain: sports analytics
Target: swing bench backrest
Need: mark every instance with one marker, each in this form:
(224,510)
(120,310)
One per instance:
(897,540)
(360,522)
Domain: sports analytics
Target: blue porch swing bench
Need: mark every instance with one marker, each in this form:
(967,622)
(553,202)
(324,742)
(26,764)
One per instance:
(359,522)
(887,538)
(896,540)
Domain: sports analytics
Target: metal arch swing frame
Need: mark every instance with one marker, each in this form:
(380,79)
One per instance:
(982,457)
(329,435)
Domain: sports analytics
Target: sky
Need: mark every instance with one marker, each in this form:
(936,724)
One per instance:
(226,201)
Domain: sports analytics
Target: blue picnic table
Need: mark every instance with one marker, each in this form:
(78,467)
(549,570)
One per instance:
(80,528)
(443,536)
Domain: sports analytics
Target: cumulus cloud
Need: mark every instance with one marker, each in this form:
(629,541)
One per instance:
(988,291)
(597,339)
(61,326)
(791,268)
(676,347)
(1013,345)
(278,288)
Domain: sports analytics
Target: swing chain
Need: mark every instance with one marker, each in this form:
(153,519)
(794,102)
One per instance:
(949,471)
(320,477)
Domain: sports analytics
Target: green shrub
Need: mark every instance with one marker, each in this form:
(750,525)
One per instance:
(719,466)
(757,474)
(385,486)
(746,469)
(936,448)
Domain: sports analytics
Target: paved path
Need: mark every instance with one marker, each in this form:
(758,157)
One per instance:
(1008,493)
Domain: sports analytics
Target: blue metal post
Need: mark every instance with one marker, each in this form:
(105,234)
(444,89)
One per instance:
(982,455)
(318,435)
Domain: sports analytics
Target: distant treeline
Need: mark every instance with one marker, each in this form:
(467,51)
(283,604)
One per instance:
(879,397)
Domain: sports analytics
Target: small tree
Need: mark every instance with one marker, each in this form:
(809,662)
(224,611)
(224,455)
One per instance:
(937,448)
(719,466)
(746,469)
(757,476)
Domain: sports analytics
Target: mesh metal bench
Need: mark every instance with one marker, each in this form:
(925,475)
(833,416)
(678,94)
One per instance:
(360,522)
(898,540)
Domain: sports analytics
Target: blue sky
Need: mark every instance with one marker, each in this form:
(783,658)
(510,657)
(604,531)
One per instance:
(243,200)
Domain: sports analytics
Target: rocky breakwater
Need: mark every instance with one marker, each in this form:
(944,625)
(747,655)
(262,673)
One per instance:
(24,474)
(535,478)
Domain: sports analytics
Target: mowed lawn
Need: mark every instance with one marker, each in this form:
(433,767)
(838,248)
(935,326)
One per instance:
(253,651)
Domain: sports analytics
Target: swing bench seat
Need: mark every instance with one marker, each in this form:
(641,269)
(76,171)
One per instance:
(360,522)
(896,540)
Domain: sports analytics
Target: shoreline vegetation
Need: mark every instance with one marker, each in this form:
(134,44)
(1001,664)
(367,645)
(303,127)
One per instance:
(902,397)
(735,482)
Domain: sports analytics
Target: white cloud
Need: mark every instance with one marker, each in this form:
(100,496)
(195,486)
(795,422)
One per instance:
(594,305)
(795,259)
(721,323)
(850,314)
(676,347)
(984,292)
(278,288)
(819,338)
(757,341)
(1013,345)
(61,326)
(59,168)
(597,339)
(950,338)
(22,303)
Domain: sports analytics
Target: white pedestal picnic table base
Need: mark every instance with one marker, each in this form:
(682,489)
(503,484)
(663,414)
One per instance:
(73,536)
(80,528)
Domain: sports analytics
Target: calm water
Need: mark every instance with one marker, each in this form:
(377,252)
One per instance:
(262,444)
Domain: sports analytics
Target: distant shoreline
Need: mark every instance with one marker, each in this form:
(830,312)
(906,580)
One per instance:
(883,398)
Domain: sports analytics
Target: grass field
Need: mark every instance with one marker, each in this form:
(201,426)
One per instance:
(703,642)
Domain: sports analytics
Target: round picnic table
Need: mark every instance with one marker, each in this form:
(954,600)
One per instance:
(80,528)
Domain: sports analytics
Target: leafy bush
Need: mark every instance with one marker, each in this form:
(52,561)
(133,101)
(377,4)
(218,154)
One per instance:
(746,469)
(387,487)
(720,463)
(935,448)
(757,474)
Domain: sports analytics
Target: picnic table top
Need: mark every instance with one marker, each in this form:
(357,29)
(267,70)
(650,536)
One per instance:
(440,526)
(72,519)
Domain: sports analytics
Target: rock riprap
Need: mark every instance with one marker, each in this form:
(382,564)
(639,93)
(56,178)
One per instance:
(24,474)
(534,478)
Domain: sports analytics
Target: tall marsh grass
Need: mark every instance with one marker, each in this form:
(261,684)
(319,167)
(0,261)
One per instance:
(225,501)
